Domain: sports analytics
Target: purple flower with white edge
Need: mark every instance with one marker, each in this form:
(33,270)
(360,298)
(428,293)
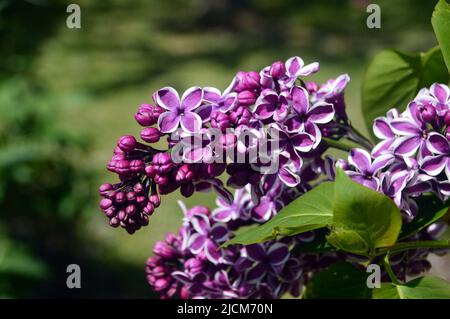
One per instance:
(295,67)
(366,169)
(271,104)
(438,96)
(333,92)
(266,260)
(232,211)
(393,184)
(413,133)
(434,164)
(383,130)
(179,111)
(306,117)
(216,101)
(207,238)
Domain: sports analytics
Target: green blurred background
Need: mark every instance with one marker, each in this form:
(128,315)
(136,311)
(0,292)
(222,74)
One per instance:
(66,95)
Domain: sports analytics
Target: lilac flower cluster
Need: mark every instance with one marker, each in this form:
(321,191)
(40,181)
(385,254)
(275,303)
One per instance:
(191,264)
(412,157)
(273,104)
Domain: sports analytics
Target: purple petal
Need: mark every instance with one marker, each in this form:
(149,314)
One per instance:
(340,83)
(302,142)
(205,111)
(168,122)
(223,214)
(438,144)
(300,100)
(191,99)
(228,103)
(372,183)
(196,243)
(433,165)
(381,162)
(191,122)
(441,92)
(360,159)
(264,110)
(288,177)
(309,69)
(278,254)
(219,232)
(293,66)
(201,224)
(405,127)
(263,210)
(382,147)
(256,252)
(213,252)
(321,113)
(406,145)
(211,94)
(168,98)
(255,274)
(382,129)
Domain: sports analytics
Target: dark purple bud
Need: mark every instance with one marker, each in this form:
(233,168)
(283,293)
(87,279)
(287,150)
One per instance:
(150,134)
(215,169)
(105,203)
(127,143)
(131,196)
(155,199)
(148,115)
(162,249)
(184,174)
(120,197)
(161,180)
(428,113)
(150,170)
(149,209)
(162,162)
(122,215)
(123,167)
(114,222)
(138,188)
(170,238)
(184,292)
(137,166)
(220,120)
(277,70)
(247,81)
(118,151)
(141,200)
(193,265)
(105,188)
(130,209)
(110,212)
(187,189)
(247,98)
(161,284)
(240,116)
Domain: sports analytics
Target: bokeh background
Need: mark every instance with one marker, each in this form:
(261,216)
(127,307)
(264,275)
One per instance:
(66,95)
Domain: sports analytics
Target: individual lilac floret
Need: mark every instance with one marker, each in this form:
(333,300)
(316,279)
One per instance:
(366,169)
(306,117)
(333,92)
(383,130)
(271,104)
(265,260)
(238,209)
(179,111)
(440,160)
(216,101)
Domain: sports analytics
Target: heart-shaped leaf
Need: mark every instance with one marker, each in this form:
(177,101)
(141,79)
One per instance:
(441,25)
(420,288)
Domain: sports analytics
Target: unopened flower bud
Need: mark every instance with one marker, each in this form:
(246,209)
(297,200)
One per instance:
(247,98)
(150,134)
(277,70)
(127,143)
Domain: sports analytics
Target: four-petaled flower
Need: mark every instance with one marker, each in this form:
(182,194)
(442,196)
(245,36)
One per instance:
(179,111)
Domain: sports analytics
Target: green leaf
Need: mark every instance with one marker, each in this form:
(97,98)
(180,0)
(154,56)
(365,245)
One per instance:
(339,281)
(363,219)
(320,244)
(431,209)
(441,25)
(420,288)
(310,211)
(393,78)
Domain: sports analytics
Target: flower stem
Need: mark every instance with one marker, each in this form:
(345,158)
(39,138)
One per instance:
(390,272)
(359,138)
(399,247)
(338,144)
